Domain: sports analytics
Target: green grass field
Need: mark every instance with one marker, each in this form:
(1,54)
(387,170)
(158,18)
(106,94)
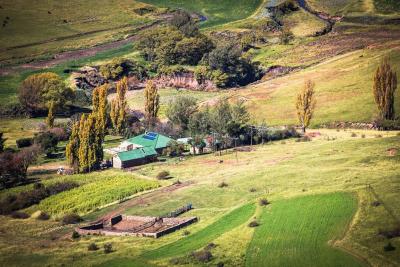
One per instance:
(290,229)
(37,22)
(217,12)
(278,171)
(201,238)
(343,89)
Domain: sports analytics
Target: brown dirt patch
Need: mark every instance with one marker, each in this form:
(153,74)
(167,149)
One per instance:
(392,151)
(144,199)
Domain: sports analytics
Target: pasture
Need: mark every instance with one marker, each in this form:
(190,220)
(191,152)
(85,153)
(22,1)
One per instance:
(292,228)
(279,171)
(216,12)
(42,28)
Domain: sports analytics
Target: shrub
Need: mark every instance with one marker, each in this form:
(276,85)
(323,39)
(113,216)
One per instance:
(24,142)
(303,139)
(71,219)
(202,256)
(253,224)
(378,136)
(19,215)
(353,135)
(220,264)
(363,136)
(263,202)
(108,248)
(75,235)
(389,247)
(43,216)
(252,190)
(210,246)
(186,232)
(222,184)
(92,247)
(28,198)
(375,203)
(163,175)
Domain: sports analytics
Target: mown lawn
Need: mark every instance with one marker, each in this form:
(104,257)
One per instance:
(217,11)
(296,232)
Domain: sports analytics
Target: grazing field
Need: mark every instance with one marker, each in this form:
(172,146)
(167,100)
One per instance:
(38,25)
(343,89)
(216,12)
(333,162)
(298,231)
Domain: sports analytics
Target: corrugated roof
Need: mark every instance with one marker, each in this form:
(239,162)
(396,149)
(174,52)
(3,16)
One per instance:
(150,139)
(137,153)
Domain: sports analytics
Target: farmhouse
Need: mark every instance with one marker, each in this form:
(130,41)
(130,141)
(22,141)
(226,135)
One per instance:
(139,150)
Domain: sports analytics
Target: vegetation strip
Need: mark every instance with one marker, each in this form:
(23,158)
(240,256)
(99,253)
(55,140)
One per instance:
(296,232)
(195,241)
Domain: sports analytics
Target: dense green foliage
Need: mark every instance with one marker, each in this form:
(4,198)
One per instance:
(38,91)
(291,229)
(167,45)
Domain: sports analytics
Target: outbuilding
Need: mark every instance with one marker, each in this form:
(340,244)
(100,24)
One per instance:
(135,157)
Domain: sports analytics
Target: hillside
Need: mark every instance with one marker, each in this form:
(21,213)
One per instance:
(190,133)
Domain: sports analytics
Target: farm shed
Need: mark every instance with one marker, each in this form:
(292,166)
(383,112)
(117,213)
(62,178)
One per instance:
(150,139)
(134,157)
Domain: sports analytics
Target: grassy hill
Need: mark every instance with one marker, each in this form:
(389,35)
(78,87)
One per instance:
(300,179)
(42,28)
(216,12)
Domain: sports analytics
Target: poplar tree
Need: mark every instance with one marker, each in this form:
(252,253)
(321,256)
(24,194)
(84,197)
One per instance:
(118,106)
(50,115)
(305,104)
(72,148)
(99,102)
(151,105)
(385,85)
(83,153)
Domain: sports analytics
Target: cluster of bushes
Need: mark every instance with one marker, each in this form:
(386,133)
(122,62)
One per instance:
(26,199)
(120,67)
(107,247)
(14,165)
(71,218)
(39,91)
(182,43)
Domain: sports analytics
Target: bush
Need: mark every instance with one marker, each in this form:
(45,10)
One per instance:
(202,256)
(186,233)
(210,246)
(43,216)
(108,248)
(26,199)
(222,184)
(253,224)
(252,190)
(71,219)
(353,135)
(389,247)
(363,136)
(92,247)
(303,139)
(263,202)
(163,175)
(220,264)
(75,235)
(19,215)
(24,142)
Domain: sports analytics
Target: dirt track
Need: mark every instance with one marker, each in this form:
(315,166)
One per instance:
(144,199)
(75,54)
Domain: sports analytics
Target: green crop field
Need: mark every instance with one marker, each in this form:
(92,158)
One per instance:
(94,194)
(296,232)
(217,12)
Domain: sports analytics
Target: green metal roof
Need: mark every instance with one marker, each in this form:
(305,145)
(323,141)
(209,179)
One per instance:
(137,153)
(151,139)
